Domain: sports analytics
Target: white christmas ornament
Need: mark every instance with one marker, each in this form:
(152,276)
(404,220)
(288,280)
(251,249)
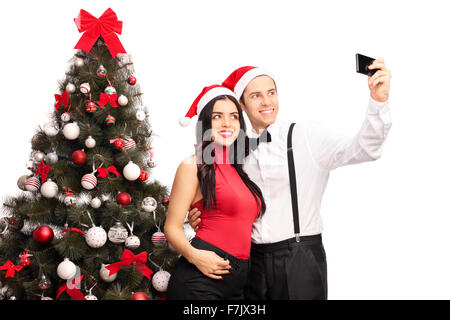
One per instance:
(122,100)
(104,274)
(132,242)
(65,117)
(90,142)
(96,237)
(118,233)
(158,238)
(51,158)
(160,280)
(89,181)
(96,203)
(110,90)
(70,200)
(140,115)
(38,156)
(51,129)
(49,189)
(32,184)
(70,88)
(21,181)
(79,62)
(149,204)
(66,270)
(131,171)
(85,88)
(129,144)
(90,297)
(71,131)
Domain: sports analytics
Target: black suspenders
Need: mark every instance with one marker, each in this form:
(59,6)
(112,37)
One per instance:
(293,183)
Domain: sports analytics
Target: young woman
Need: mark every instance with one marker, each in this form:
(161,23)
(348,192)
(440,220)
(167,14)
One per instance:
(215,264)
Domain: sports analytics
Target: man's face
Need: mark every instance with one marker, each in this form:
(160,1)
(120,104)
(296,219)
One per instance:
(261,102)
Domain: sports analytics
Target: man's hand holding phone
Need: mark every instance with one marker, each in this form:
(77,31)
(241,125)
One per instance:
(379,81)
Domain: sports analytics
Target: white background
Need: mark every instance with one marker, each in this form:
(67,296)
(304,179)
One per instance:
(386,223)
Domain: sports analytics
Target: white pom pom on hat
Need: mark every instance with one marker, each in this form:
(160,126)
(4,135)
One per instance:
(184,121)
(207,94)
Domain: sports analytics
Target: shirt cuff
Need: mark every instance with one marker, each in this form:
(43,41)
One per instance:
(380,109)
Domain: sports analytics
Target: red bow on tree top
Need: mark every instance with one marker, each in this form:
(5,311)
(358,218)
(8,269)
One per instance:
(106,26)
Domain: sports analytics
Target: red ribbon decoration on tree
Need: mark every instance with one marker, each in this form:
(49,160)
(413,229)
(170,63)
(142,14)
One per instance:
(72,230)
(43,171)
(102,172)
(10,269)
(128,258)
(62,100)
(25,254)
(108,98)
(71,289)
(106,26)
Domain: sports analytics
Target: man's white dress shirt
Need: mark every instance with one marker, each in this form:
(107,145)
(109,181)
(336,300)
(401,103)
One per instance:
(317,150)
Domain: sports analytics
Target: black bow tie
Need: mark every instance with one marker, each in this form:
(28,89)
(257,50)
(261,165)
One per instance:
(264,137)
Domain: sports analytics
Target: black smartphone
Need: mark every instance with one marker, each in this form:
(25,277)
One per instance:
(363,63)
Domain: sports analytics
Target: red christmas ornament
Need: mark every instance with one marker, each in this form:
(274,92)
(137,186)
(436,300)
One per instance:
(139,296)
(25,262)
(15,223)
(43,234)
(118,143)
(79,157)
(123,198)
(165,201)
(132,80)
(143,176)
(91,107)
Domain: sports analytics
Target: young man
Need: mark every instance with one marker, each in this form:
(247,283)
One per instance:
(287,257)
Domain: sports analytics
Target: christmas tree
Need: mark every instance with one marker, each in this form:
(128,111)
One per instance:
(88,222)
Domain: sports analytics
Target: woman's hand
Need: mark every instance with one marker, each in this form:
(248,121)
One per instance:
(210,264)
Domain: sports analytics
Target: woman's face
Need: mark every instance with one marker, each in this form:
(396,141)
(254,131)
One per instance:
(225,124)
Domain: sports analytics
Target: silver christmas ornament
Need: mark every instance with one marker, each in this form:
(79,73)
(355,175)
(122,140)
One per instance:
(51,129)
(79,62)
(51,158)
(38,156)
(149,204)
(65,117)
(117,233)
(70,87)
(104,274)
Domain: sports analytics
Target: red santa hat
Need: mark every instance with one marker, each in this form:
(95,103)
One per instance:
(207,94)
(239,79)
